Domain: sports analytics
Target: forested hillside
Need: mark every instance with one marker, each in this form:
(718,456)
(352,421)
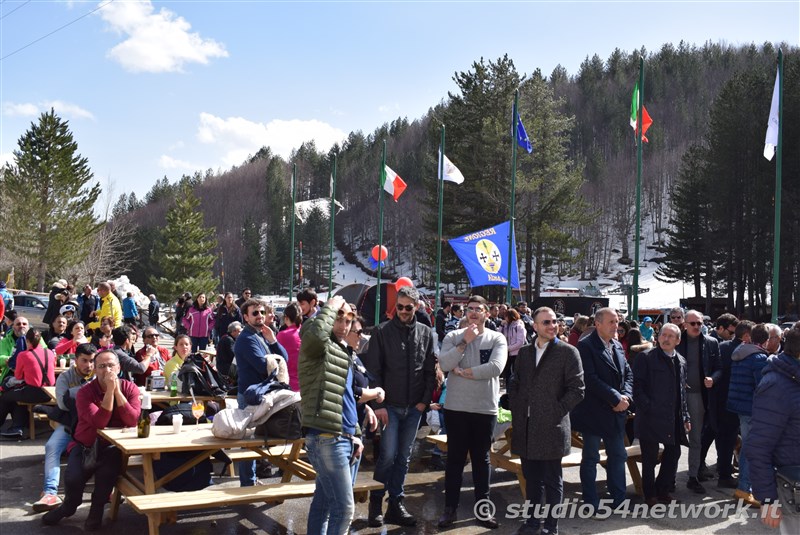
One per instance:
(708,191)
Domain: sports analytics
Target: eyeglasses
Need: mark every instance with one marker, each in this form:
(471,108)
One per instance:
(258,313)
(106,366)
(731,331)
(407,308)
(476,310)
(694,323)
(341,313)
(152,335)
(358,331)
(548,322)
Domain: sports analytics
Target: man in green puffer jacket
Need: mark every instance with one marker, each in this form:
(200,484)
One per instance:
(329,415)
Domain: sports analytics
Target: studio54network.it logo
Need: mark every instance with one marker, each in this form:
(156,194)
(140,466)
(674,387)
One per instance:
(573,508)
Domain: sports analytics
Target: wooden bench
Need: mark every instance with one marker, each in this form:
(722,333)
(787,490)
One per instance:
(273,452)
(33,417)
(162,507)
(501,457)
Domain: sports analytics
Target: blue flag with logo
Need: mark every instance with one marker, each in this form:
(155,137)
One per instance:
(522,136)
(484,255)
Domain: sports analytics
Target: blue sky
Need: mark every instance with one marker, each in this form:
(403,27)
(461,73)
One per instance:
(165,88)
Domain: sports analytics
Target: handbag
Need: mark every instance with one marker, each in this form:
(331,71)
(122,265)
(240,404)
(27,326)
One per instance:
(287,424)
(89,456)
(788,480)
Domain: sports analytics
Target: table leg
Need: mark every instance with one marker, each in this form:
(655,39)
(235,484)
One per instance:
(148,474)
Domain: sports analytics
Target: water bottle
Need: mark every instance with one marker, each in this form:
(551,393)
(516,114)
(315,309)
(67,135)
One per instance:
(173,385)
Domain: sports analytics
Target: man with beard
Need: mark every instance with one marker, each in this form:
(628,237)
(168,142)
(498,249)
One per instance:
(400,360)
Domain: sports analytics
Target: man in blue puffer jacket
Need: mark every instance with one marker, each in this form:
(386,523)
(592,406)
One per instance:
(775,430)
(748,360)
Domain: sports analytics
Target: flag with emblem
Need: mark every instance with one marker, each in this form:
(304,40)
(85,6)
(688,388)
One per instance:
(483,254)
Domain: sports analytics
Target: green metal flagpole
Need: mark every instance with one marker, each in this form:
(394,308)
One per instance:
(634,313)
(439,240)
(513,192)
(776,271)
(381,179)
(333,215)
(294,200)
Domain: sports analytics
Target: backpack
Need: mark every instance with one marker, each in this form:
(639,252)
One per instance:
(197,376)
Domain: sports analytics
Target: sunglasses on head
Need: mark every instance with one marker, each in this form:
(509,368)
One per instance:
(407,308)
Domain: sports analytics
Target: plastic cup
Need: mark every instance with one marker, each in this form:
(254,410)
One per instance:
(62,363)
(177,423)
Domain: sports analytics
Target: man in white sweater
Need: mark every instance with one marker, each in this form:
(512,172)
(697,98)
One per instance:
(474,357)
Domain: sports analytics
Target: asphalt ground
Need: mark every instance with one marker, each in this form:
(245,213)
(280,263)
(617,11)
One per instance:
(21,479)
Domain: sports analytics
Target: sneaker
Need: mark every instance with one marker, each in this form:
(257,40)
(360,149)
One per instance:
(694,484)
(16,433)
(746,497)
(47,502)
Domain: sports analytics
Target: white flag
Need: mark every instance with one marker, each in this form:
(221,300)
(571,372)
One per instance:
(772,125)
(451,172)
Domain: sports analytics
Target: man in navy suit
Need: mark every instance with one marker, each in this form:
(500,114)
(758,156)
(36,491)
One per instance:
(603,412)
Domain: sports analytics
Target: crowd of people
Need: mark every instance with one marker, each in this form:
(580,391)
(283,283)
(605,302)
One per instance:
(611,380)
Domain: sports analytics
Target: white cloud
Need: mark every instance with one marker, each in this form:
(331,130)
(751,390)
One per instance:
(389,108)
(6,157)
(240,137)
(28,109)
(156,41)
(168,162)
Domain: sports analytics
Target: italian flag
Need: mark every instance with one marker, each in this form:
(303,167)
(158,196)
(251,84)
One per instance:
(646,120)
(392,183)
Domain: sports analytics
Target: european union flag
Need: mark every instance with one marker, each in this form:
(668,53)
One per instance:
(522,136)
(484,253)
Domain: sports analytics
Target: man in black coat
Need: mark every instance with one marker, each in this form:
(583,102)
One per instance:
(703,372)
(604,410)
(546,384)
(662,415)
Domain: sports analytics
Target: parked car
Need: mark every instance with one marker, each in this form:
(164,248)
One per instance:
(32,307)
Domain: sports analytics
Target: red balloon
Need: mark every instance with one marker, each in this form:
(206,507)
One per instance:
(384,252)
(403,281)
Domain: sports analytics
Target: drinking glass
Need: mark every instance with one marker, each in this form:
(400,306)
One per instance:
(198,409)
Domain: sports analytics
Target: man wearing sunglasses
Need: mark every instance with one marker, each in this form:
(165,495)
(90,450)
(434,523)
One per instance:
(546,384)
(474,357)
(400,359)
(703,372)
(252,349)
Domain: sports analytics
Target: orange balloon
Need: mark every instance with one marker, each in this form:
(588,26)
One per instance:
(403,281)
(384,252)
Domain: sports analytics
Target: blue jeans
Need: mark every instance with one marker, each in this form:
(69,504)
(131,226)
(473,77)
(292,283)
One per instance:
(333,506)
(396,443)
(247,469)
(615,467)
(53,450)
(744,466)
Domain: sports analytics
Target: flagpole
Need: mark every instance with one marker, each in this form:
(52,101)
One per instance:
(778,167)
(333,215)
(638,133)
(514,115)
(381,180)
(294,200)
(441,205)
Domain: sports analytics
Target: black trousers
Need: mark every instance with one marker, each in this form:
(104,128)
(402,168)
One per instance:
(725,438)
(471,433)
(109,463)
(19,413)
(543,479)
(654,487)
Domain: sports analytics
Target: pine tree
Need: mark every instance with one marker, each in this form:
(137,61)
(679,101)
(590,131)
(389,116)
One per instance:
(253,275)
(185,252)
(50,215)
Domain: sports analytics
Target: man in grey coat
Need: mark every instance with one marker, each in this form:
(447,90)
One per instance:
(546,385)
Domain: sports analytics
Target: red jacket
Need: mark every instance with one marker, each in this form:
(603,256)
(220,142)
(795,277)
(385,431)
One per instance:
(28,367)
(155,364)
(92,416)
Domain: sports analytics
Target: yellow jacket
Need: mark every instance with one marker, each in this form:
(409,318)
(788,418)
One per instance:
(109,306)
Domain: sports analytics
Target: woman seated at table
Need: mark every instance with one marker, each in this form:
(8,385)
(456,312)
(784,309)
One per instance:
(104,332)
(108,401)
(35,368)
(76,335)
(181,350)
